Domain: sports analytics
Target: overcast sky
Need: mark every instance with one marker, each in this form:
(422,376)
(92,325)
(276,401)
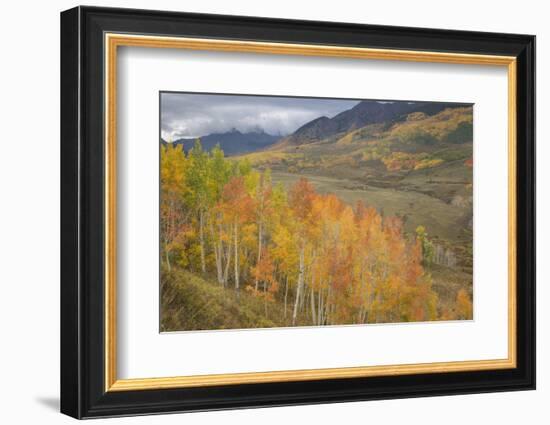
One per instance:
(196,115)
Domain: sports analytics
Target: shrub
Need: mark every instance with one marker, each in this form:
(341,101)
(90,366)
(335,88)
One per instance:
(464,132)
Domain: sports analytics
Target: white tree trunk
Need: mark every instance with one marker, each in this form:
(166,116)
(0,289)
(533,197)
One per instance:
(168,260)
(218,250)
(227,263)
(236,241)
(201,236)
(313,314)
(259,251)
(299,285)
(286,293)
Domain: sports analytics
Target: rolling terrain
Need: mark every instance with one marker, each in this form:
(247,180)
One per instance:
(415,165)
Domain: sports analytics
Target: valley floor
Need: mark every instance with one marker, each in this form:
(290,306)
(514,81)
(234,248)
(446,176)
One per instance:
(415,208)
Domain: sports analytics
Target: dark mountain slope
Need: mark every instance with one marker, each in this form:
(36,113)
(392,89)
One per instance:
(362,114)
(233,142)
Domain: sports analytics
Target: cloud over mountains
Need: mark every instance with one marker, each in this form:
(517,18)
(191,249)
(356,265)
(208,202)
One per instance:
(185,115)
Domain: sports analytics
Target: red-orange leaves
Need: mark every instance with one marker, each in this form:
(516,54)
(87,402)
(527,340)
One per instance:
(236,202)
(300,200)
(312,258)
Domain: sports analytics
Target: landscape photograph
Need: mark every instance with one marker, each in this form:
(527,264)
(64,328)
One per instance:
(303,211)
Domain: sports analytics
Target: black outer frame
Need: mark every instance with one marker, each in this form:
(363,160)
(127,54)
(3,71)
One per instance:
(82,219)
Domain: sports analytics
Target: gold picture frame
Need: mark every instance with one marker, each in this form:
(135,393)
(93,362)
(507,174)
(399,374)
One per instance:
(113,41)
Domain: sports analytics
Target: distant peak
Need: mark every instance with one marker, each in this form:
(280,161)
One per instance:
(257,130)
(322,118)
(313,122)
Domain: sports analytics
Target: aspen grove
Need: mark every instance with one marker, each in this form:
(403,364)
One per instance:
(320,260)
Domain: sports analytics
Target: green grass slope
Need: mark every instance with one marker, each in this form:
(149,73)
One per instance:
(189,302)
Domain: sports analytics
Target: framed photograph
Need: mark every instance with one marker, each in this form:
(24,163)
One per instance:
(261,212)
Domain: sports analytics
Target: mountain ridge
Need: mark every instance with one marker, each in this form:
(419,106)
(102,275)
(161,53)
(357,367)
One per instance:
(362,114)
(232,142)
(366,112)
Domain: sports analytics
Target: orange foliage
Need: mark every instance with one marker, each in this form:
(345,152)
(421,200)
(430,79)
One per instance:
(342,264)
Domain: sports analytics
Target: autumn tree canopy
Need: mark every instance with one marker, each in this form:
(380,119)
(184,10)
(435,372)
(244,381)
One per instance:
(325,261)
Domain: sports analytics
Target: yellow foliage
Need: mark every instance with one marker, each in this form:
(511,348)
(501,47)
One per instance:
(343,264)
(438,126)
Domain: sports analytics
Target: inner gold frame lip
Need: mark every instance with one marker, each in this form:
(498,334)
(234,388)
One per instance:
(114,40)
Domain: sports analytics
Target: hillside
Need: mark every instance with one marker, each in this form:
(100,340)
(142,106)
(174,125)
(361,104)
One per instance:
(361,115)
(426,153)
(191,302)
(418,168)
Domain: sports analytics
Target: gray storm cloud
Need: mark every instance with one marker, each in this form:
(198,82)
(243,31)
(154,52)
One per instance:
(194,115)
